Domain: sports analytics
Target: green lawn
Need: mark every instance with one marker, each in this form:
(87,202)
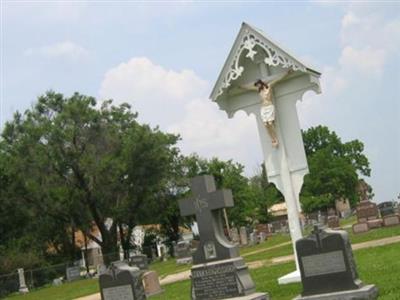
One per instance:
(66,291)
(378,265)
(168,267)
(374,234)
(348,221)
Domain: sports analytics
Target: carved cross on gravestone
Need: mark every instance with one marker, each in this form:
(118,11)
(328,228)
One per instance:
(207,204)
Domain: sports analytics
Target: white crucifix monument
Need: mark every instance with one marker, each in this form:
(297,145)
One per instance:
(262,79)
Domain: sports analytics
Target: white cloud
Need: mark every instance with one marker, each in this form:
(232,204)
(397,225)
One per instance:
(369,41)
(368,60)
(208,131)
(140,79)
(178,102)
(66,49)
(349,19)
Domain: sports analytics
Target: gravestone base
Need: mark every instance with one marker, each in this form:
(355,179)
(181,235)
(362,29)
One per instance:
(254,296)
(224,279)
(184,261)
(367,292)
(292,277)
(391,220)
(376,223)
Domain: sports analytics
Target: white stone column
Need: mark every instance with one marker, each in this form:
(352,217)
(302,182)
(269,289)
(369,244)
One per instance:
(22,285)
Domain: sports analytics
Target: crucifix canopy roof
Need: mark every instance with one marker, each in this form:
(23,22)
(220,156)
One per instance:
(245,45)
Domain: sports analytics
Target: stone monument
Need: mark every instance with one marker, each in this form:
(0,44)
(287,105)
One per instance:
(122,281)
(255,57)
(183,252)
(73,273)
(151,283)
(22,285)
(140,261)
(328,270)
(243,236)
(218,271)
(367,217)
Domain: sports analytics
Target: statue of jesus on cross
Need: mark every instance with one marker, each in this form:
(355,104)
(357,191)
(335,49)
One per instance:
(267,110)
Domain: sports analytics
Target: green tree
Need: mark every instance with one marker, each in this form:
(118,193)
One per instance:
(80,164)
(334,166)
(227,174)
(266,195)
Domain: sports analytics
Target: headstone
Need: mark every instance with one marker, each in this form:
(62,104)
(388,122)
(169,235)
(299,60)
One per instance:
(333,222)
(219,272)
(73,273)
(366,210)
(368,213)
(253,238)
(243,236)
(360,228)
(386,208)
(151,283)
(101,269)
(22,285)
(263,228)
(234,235)
(375,223)
(183,252)
(122,282)
(139,261)
(391,220)
(328,269)
(262,237)
(57,281)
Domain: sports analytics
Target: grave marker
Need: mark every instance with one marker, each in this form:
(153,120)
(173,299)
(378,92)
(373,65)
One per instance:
(328,269)
(73,273)
(255,57)
(219,272)
(121,282)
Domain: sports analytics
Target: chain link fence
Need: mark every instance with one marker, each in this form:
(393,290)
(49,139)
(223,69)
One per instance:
(38,277)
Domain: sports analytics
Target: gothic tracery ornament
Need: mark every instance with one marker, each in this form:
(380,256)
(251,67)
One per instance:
(274,57)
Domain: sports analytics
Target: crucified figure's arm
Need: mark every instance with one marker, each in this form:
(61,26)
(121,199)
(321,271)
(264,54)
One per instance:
(270,81)
(279,78)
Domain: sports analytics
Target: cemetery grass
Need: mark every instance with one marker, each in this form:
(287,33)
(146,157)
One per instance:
(376,265)
(348,221)
(170,267)
(379,266)
(374,234)
(66,291)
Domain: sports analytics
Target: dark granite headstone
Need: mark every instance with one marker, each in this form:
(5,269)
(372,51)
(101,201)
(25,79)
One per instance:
(327,265)
(140,261)
(219,272)
(73,273)
(183,252)
(386,209)
(207,204)
(122,282)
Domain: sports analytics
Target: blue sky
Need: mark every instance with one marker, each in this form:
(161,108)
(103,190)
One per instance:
(163,58)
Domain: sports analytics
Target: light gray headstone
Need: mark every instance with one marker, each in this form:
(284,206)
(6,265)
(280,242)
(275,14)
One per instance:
(243,236)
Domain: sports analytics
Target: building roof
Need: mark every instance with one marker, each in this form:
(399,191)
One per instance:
(247,38)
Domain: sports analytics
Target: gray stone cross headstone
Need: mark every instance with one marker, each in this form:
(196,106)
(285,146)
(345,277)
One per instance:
(207,204)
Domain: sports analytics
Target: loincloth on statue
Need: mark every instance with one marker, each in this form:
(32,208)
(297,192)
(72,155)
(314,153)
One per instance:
(267,113)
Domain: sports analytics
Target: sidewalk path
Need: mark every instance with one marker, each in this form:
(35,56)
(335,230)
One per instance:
(261,263)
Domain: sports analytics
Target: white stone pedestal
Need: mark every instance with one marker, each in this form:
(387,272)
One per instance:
(290,278)
(368,292)
(22,285)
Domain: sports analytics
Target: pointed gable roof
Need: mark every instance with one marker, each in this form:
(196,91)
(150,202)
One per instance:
(246,40)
